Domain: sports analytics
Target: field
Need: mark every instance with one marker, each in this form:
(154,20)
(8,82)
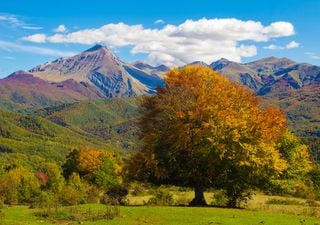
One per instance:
(21,215)
(286,211)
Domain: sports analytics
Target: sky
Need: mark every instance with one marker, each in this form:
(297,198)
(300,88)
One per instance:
(158,32)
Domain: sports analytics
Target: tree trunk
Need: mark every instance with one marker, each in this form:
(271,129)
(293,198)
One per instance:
(199,199)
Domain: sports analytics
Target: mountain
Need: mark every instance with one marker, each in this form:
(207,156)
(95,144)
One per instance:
(99,67)
(238,73)
(157,70)
(94,73)
(22,90)
(269,75)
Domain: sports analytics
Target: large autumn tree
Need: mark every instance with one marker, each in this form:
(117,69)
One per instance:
(201,130)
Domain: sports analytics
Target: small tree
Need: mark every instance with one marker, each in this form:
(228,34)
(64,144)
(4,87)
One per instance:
(19,185)
(201,130)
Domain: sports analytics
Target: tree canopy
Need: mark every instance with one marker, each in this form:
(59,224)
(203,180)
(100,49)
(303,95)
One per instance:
(202,130)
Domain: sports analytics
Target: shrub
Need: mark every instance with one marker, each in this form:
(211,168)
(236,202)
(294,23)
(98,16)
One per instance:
(93,194)
(182,200)
(137,190)
(43,200)
(161,197)
(219,198)
(80,214)
(116,196)
(71,196)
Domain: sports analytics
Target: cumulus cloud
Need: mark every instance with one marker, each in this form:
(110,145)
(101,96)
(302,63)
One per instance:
(10,46)
(293,44)
(290,45)
(37,38)
(204,39)
(60,29)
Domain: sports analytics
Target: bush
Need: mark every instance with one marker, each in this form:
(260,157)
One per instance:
(161,197)
(80,214)
(219,198)
(182,200)
(137,190)
(43,200)
(116,196)
(72,196)
(93,194)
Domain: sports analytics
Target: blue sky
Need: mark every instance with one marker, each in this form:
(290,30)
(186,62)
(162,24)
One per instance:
(170,32)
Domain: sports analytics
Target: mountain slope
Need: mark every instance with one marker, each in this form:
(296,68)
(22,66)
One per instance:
(34,135)
(113,121)
(99,67)
(22,90)
(269,75)
(238,73)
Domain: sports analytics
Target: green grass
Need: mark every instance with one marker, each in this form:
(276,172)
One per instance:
(135,215)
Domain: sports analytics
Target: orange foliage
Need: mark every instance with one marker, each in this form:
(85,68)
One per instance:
(202,117)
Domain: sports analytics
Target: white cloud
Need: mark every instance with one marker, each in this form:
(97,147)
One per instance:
(14,21)
(312,55)
(159,21)
(205,39)
(290,45)
(60,29)
(37,38)
(293,44)
(274,47)
(10,18)
(10,46)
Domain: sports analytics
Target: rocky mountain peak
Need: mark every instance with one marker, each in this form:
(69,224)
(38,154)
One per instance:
(97,47)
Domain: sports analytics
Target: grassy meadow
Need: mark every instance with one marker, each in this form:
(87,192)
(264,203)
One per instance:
(261,210)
